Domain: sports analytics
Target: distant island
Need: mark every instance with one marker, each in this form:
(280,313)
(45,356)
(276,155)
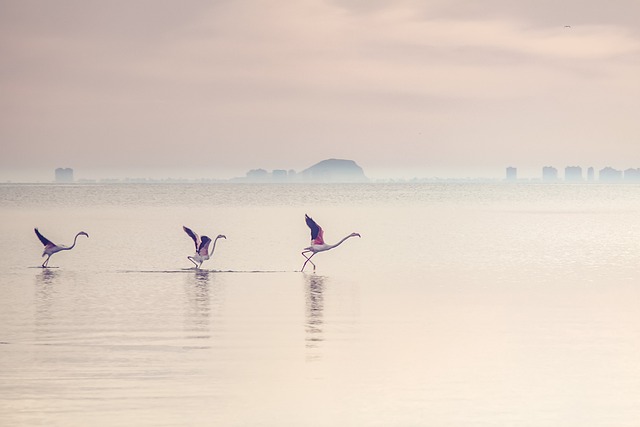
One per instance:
(327,171)
(334,170)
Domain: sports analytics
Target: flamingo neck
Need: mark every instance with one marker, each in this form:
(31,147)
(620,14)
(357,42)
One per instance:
(213,248)
(340,242)
(74,242)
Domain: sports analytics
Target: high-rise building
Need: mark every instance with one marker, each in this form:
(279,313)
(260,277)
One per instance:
(591,174)
(610,174)
(573,174)
(549,174)
(512,174)
(279,175)
(64,175)
(632,175)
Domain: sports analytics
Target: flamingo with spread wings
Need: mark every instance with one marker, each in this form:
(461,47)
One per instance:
(317,242)
(202,247)
(51,248)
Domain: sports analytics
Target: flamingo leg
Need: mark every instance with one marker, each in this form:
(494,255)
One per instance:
(191,259)
(308,260)
(46,262)
(305,263)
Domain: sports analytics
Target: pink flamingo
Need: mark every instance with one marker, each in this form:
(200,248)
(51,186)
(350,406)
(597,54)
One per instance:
(202,247)
(51,248)
(317,242)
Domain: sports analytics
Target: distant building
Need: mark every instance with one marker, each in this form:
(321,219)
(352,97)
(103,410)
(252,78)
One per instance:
(549,174)
(64,175)
(610,174)
(257,175)
(279,175)
(591,174)
(512,174)
(632,175)
(573,174)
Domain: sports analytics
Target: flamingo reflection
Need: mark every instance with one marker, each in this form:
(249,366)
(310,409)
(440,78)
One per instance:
(314,295)
(45,292)
(198,304)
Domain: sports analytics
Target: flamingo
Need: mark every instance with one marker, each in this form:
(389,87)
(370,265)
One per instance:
(202,247)
(317,242)
(51,248)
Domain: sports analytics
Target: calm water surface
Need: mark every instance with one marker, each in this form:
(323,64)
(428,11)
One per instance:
(461,305)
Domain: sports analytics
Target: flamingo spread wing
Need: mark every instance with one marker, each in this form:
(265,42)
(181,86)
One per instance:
(203,250)
(43,239)
(194,236)
(317,234)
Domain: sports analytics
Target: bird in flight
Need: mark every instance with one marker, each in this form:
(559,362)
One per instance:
(51,248)
(317,242)
(202,247)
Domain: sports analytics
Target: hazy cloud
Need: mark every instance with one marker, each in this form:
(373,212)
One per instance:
(213,89)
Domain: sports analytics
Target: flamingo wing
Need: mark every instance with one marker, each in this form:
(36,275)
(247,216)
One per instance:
(204,246)
(317,233)
(194,236)
(43,239)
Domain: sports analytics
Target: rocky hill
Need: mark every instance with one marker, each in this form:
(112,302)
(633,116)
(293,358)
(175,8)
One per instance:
(334,170)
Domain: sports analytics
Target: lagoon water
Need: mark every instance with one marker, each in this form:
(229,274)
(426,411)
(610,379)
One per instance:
(461,305)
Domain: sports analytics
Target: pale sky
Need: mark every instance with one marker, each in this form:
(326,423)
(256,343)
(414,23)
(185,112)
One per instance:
(406,88)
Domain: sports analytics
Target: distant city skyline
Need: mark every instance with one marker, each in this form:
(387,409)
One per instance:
(409,89)
(509,174)
(576,174)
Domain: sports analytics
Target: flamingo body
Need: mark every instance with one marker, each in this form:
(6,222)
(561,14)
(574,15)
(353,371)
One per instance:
(317,242)
(51,248)
(202,247)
